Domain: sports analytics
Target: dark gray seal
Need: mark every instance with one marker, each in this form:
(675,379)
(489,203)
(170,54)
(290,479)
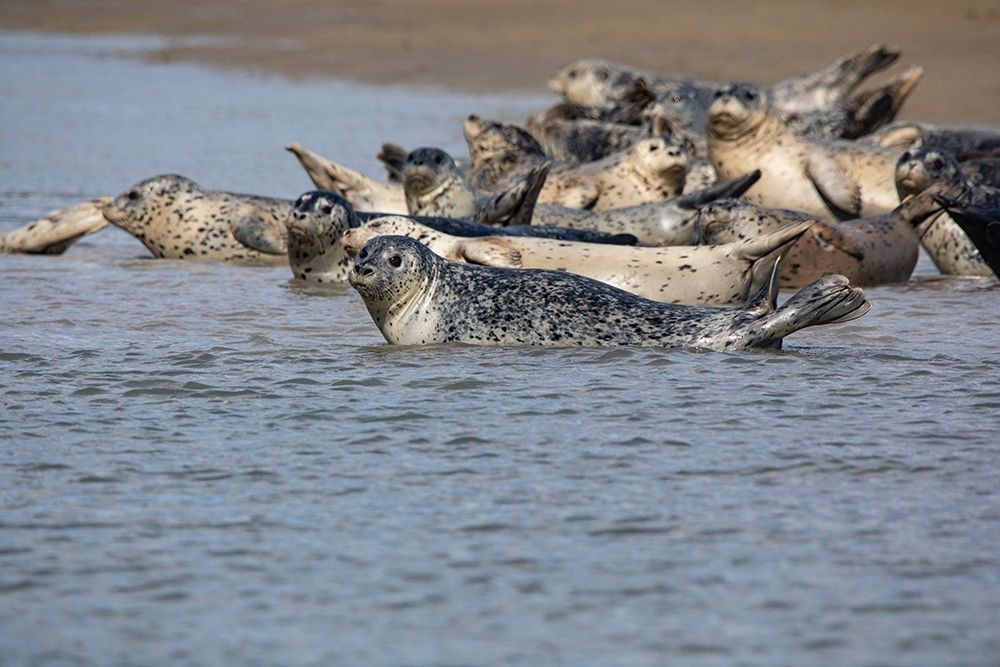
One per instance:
(175,218)
(982,225)
(417,298)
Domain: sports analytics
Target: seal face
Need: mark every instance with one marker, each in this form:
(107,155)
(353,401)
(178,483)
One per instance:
(949,247)
(316,225)
(416,298)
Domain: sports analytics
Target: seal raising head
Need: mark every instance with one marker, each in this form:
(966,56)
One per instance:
(737,110)
(316,226)
(920,168)
(434,185)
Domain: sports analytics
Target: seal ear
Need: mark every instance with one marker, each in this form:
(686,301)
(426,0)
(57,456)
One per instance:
(491,251)
(829,235)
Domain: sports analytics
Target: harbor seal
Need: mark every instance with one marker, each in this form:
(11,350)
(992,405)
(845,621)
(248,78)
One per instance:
(831,179)
(434,186)
(417,298)
(868,251)
(175,218)
(983,227)
(650,170)
(316,226)
(318,220)
(58,230)
(949,247)
(726,274)
(364,193)
(963,143)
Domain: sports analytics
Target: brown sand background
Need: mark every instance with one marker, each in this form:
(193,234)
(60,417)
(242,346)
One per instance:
(510,45)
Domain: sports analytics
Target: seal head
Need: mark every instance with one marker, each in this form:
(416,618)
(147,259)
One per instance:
(737,111)
(316,225)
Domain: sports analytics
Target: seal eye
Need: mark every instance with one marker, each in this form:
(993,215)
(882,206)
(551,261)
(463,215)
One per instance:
(133,195)
(602,75)
(327,210)
(937,164)
(437,159)
(363,254)
(395,261)
(749,95)
(907,156)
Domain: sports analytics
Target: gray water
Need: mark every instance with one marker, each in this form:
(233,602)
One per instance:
(205,464)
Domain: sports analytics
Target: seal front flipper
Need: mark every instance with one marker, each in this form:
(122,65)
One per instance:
(727,190)
(393,156)
(262,235)
(489,251)
(839,192)
(514,206)
(831,236)
(764,252)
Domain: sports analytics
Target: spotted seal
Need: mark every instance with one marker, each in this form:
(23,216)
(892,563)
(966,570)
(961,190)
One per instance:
(417,298)
(318,220)
(963,143)
(58,230)
(868,251)
(650,170)
(832,179)
(364,193)
(950,248)
(725,274)
(596,81)
(175,218)
(434,186)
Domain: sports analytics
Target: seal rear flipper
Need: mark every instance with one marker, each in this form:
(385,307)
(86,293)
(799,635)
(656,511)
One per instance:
(516,205)
(829,300)
(871,109)
(727,190)
(58,230)
(362,192)
(261,235)
(765,251)
(839,192)
(393,156)
(491,251)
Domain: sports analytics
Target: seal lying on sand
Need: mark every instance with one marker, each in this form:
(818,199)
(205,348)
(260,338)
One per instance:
(416,298)
(964,143)
(596,81)
(364,193)
(833,179)
(726,274)
(650,170)
(318,220)
(434,186)
(868,251)
(951,249)
(175,218)
(58,230)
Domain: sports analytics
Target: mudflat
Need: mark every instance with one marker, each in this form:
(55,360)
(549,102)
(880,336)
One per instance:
(513,45)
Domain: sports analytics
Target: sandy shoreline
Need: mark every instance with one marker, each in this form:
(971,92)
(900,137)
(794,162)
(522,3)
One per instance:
(493,45)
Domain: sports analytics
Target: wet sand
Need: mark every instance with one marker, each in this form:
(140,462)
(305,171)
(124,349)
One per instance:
(493,45)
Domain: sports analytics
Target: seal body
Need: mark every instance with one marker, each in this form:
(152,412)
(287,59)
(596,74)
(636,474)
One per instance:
(982,225)
(724,274)
(175,218)
(58,230)
(417,298)
(868,251)
(950,248)
(834,180)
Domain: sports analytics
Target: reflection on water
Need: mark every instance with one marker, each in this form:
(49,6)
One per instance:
(208,464)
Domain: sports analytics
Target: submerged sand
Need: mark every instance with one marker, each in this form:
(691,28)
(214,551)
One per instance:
(500,45)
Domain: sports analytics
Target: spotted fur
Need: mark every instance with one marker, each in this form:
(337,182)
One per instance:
(316,226)
(417,298)
(58,230)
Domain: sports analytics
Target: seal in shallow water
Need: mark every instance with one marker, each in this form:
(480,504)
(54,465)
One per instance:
(723,275)
(316,226)
(416,298)
(832,179)
(58,230)
(175,218)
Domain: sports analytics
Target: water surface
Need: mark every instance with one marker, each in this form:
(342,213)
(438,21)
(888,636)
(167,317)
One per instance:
(207,464)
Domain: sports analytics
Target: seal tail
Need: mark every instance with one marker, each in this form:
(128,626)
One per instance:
(829,300)
(727,190)
(58,230)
